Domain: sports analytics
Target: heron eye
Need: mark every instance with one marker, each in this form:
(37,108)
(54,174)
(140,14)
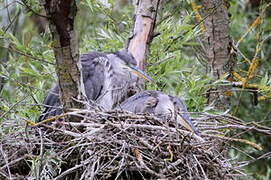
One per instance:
(134,63)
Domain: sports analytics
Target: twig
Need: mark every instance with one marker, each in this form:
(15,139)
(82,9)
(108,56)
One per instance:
(69,171)
(6,161)
(206,178)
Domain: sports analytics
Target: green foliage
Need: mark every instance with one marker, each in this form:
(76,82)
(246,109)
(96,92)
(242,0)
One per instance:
(103,28)
(243,104)
(27,62)
(26,68)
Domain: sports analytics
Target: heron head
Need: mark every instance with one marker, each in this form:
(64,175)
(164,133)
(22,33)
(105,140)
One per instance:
(182,114)
(129,63)
(186,122)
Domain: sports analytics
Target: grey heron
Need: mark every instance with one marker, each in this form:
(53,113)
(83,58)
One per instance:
(159,104)
(108,79)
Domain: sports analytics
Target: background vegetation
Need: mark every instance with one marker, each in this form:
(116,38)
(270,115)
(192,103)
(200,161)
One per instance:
(27,60)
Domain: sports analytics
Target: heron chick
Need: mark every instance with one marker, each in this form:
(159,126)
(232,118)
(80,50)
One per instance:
(159,104)
(108,79)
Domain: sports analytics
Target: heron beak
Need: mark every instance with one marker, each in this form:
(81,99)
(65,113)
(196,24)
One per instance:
(138,72)
(186,123)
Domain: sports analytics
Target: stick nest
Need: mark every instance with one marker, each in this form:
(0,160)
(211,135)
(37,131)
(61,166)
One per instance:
(118,145)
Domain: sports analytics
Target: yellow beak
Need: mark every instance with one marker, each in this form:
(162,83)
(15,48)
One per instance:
(186,123)
(140,73)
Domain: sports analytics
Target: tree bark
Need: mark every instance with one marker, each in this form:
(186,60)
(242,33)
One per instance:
(219,49)
(141,35)
(61,15)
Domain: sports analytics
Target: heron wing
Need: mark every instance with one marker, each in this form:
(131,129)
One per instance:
(93,74)
(139,103)
(93,78)
(52,104)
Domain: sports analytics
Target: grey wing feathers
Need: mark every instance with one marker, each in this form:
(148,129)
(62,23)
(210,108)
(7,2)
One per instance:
(52,103)
(140,95)
(136,106)
(93,73)
(137,102)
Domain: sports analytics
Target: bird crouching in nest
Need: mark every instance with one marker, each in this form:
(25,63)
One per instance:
(108,79)
(161,105)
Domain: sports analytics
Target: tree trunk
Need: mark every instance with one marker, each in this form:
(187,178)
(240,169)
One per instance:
(61,15)
(141,35)
(218,45)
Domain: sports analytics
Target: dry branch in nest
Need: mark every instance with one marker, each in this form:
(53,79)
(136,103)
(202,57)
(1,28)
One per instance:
(121,145)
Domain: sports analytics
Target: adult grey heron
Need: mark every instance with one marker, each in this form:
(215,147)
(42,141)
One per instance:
(159,104)
(108,79)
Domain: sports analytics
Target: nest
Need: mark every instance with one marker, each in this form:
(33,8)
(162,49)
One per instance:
(119,145)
